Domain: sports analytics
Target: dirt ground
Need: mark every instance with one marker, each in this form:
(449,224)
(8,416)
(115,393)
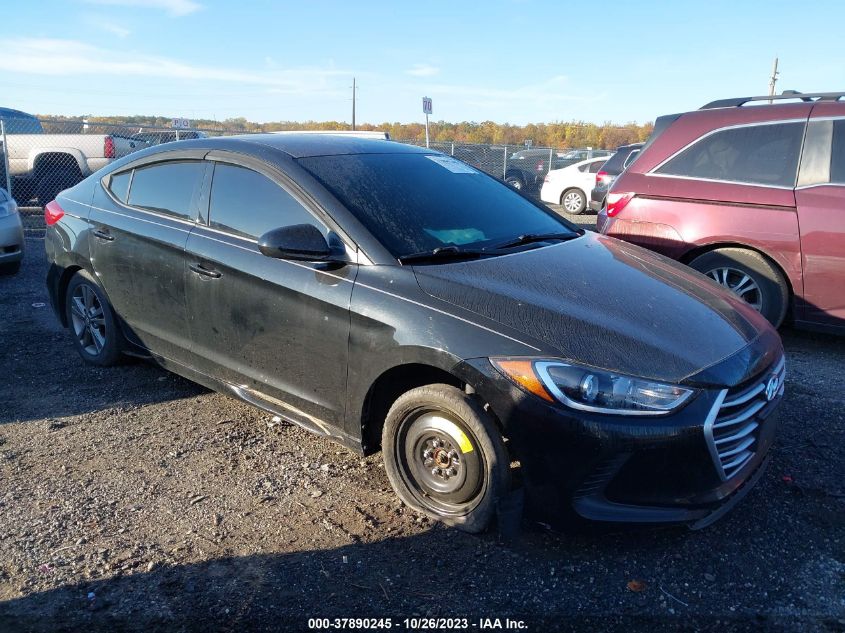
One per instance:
(131,499)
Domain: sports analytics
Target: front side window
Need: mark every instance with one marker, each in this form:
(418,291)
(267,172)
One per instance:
(756,154)
(837,158)
(167,187)
(418,202)
(247,203)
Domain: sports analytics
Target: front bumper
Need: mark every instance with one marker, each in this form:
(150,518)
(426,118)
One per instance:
(11,239)
(582,466)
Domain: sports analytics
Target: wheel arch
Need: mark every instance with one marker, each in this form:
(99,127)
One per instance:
(61,290)
(387,387)
(515,173)
(47,161)
(698,251)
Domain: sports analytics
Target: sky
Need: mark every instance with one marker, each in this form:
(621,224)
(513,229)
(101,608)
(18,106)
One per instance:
(508,61)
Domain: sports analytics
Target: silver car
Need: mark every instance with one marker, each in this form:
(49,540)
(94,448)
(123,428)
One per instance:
(11,235)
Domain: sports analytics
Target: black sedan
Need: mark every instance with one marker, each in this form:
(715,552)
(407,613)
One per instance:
(391,297)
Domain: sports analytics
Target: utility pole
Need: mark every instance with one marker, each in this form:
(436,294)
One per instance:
(773,79)
(353,103)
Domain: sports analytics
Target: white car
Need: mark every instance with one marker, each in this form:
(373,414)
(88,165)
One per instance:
(570,186)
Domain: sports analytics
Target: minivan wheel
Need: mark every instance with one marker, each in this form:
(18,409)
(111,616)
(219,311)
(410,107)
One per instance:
(444,456)
(92,322)
(750,276)
(573,201)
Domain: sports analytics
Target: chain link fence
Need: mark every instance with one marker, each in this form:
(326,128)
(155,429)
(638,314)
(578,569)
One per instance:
(40,158)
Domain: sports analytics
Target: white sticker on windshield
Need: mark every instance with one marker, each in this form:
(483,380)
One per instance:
(452,164)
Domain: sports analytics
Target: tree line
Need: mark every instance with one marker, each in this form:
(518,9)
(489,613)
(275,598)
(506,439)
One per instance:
(558,134)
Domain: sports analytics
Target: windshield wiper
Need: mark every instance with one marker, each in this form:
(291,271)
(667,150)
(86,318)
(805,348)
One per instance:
(531,238)
(442,253)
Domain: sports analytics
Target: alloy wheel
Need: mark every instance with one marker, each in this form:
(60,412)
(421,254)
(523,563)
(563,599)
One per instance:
(740,283)
(572,202)
(88,319)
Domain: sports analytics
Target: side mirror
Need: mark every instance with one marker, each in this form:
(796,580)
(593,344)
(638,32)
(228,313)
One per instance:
(300,242)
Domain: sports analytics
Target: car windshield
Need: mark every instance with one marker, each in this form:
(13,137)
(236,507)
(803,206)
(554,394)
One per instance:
(418,202)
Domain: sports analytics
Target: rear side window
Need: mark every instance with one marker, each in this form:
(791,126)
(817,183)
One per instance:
(167,187)
(250,204)
(119,185)
(837,158)
(596,166)
(756,154)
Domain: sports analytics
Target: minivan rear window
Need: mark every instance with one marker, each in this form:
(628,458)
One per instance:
(755,154)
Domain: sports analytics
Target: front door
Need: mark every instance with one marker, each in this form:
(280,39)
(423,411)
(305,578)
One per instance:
(820,197)
(273,328)
(138,237)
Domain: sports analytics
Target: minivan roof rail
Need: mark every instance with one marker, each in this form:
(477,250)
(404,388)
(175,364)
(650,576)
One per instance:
(787,94)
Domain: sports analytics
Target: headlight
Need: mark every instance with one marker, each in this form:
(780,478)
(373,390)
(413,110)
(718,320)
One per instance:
(588,389)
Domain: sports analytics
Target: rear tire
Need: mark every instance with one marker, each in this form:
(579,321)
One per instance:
(515,182)
(751,276)
(573,201)
(92,322)
(444,456)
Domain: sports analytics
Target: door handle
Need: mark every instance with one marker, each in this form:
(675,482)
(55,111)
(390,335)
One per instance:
(103,235)
(205,272)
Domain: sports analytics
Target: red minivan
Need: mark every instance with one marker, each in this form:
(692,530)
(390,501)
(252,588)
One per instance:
(750,192)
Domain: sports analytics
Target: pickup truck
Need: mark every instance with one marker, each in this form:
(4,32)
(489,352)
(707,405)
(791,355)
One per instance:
(41,165)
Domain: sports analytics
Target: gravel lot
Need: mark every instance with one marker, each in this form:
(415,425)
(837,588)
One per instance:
(131,499)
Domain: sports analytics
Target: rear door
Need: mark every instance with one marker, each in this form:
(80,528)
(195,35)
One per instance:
(820,197)
(276,329)
(140,223)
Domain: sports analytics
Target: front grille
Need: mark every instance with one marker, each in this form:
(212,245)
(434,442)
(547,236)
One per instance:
(733,426)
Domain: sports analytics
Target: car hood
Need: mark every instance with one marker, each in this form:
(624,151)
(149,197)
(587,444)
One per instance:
(604,303)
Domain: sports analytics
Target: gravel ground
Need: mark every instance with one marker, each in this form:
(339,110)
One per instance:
(131,499)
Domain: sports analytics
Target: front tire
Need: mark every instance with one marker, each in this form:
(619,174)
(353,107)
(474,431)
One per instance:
(749,275)
(573,201)
(92,322)
(444,456)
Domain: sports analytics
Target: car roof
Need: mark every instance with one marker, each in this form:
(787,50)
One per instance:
(306,145)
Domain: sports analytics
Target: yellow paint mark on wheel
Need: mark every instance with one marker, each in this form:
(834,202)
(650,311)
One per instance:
(463,441)
(455,431)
